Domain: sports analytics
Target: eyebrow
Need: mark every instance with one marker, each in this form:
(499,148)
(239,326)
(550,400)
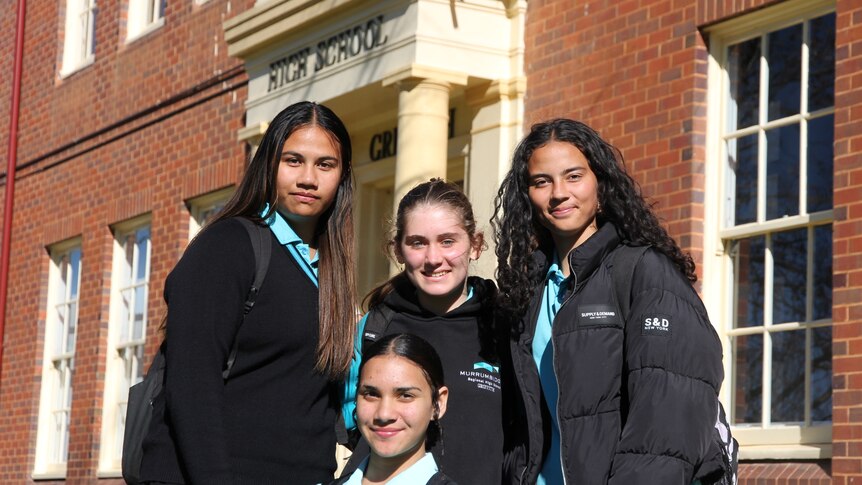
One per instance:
(299,155)
(366,387)
(565,172)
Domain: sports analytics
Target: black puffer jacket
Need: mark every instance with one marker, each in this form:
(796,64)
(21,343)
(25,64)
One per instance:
(637,399)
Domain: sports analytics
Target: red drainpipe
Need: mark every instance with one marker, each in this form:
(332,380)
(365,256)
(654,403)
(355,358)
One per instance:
(11,159)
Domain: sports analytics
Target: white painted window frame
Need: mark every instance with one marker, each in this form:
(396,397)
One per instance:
(123,366)
(143,17)
(79,36)
(763,441)
(58,363)
(204,207)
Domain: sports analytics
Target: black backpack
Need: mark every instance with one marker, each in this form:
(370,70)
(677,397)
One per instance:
(139,410)
(622,270)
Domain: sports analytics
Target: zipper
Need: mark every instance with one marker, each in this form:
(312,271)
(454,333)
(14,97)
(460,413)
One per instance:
(557,411)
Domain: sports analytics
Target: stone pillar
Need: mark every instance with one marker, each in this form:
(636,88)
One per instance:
(423,121)
(497,125)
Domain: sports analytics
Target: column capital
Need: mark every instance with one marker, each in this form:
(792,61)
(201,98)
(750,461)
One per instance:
(491,92)
(415,73)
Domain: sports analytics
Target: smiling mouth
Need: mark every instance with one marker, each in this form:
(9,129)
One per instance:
(386,433)
(559,211)
(436,274)
(304,196)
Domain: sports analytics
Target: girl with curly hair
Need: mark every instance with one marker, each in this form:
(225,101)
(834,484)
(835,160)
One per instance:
(604,397)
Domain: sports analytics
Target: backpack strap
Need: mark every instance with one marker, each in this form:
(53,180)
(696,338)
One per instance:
(623,263)
(261,244)
(377,323)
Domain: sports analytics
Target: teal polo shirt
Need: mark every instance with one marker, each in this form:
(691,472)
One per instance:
(417,473)
(299,250)
(553,296)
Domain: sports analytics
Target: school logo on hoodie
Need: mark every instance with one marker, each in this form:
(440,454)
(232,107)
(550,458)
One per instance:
(484,375)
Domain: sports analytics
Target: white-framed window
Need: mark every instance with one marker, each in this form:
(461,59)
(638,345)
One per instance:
(127,331)
(79,35)
(58,363)
(204,208)
(143,17)
(771,110)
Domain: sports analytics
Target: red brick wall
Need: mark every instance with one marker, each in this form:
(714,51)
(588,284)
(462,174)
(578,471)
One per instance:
(847,262)
(636,70)
(137,132)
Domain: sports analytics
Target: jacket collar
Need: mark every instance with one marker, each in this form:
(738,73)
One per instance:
(584,259)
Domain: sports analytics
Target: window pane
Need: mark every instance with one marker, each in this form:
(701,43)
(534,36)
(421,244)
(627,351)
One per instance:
(789,256)
(821,374)
(140,312)
(143,245)
(743,69)
(73,327)
(63,281)
(75,261)
(138,375)
(785,75)
(788,376)
(60,329)
(782,172)
(127,268)
(822,272)
(748,368)
(821,63)
(820,154)
(123,314)
(743,162)
(749,281)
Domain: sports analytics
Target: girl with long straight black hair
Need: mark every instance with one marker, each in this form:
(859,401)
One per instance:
(273,419)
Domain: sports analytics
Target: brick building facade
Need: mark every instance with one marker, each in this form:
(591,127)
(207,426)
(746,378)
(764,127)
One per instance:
(139,132)
(656,79)
(130,138)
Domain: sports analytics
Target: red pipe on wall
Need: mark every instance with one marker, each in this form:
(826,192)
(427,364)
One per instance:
(11,159)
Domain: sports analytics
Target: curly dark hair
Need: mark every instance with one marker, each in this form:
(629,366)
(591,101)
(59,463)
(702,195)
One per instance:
(620,198)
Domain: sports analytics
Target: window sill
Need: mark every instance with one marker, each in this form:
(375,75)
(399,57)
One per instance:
(57,474)
(146,31)
(116,473)
(64,73)
(785,452)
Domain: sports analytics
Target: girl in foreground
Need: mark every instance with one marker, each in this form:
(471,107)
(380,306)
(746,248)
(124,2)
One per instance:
(274,417)
(400,398)
(605,397)
(435,238)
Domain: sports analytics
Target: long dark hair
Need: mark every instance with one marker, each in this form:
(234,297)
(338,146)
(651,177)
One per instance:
(420,352)
(334,231)
(620,198)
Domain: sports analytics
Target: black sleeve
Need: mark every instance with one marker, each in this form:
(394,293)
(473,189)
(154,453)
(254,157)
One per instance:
(673,372)
(204,294)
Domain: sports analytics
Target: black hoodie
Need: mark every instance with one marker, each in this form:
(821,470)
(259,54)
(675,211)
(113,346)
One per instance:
(471,448)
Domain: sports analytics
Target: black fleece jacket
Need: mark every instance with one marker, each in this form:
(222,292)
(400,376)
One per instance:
(273,420)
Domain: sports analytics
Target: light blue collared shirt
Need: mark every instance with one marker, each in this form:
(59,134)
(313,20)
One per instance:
(543,353)
(299,250)
(418,473)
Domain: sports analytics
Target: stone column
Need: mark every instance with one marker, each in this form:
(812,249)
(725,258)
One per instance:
(423,123)
(497,125)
